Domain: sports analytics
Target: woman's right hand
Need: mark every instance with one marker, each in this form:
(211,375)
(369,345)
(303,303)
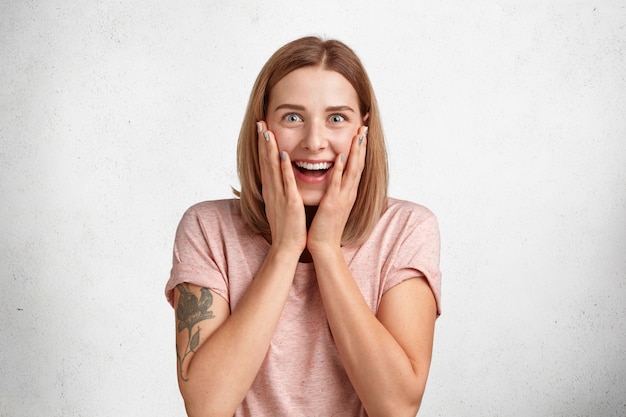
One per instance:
(284,207)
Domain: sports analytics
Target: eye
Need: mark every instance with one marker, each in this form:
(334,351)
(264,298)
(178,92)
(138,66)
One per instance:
(337,118)
(292,117)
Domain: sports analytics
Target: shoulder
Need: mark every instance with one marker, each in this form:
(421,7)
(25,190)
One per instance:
(404,223)
(212,207)
(214,210)
(212,215)
(407,211)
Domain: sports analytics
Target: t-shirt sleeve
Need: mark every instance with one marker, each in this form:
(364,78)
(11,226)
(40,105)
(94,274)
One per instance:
(194,261)
(417,254)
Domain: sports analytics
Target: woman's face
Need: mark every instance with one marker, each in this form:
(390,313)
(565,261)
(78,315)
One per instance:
(314,115)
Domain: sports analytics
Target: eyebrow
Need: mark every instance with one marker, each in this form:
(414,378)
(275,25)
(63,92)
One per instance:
(302,108)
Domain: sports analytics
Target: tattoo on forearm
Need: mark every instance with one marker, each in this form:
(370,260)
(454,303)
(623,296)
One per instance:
(191,311)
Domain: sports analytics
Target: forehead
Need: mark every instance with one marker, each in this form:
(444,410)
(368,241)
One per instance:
(314,83)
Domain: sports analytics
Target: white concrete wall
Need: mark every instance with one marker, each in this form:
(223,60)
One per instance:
(508,119)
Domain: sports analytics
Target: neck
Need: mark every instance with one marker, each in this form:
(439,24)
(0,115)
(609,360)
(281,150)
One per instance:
(310,214)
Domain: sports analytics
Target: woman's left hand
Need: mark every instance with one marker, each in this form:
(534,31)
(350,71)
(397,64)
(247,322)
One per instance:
(335,207)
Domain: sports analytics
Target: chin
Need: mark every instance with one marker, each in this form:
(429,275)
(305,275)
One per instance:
(311,198)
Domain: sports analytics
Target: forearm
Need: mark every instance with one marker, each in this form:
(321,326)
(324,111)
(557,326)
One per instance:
(225,365)
(381,372)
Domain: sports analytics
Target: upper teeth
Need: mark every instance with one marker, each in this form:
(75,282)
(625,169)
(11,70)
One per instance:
(314,167)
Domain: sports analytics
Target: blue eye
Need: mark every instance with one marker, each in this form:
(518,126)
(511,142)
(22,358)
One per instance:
(293,117)
(337,118)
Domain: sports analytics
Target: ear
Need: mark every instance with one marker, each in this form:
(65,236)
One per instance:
(367,116)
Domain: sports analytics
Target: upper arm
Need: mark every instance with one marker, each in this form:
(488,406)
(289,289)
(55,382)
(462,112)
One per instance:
(199,312)
(408,311)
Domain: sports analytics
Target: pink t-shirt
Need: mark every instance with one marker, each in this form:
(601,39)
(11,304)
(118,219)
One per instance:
(302,373)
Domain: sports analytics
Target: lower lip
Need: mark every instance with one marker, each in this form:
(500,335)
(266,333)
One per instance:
(309,179)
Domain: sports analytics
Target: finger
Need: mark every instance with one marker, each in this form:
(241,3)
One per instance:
(268,155)
(271,177)
(289,179)
(337,175)
(274,160)
(356,160)
(263,152)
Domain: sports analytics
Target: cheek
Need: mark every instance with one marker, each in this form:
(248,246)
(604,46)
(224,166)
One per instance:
(344,143)
(283,137)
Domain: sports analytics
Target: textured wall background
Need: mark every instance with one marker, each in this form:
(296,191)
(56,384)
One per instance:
(508,119)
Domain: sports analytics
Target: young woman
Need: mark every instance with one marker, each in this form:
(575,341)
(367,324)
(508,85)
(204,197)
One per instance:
(313,293)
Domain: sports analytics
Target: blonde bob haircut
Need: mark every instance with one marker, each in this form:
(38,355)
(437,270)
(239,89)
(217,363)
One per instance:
(371,200)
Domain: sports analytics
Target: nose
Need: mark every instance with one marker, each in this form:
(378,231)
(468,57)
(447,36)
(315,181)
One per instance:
(314,138)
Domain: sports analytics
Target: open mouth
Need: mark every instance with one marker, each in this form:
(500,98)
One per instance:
(313,169)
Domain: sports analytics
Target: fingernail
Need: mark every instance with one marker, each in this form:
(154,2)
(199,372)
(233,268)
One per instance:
(283,155)
(266,136)
(342,157)
(259,127)
(361,139)
(365,131)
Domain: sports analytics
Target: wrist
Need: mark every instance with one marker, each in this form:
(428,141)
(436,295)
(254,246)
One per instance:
(284,253)
(322,250)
